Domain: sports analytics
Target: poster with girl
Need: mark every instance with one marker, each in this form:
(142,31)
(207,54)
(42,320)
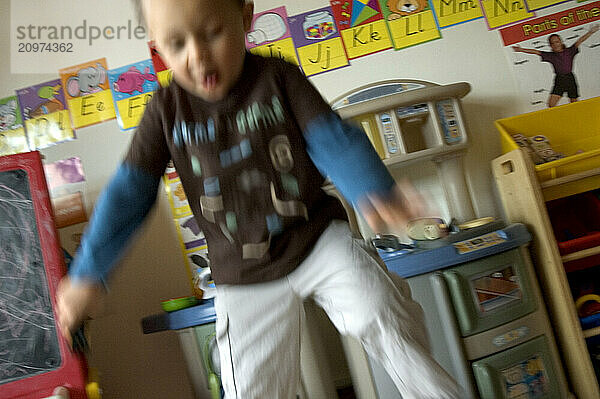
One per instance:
(555,57)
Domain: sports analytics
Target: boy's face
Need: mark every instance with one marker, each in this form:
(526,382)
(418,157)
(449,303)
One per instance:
(201,41)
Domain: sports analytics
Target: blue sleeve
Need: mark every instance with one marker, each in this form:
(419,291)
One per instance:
(343,153)
(119,211)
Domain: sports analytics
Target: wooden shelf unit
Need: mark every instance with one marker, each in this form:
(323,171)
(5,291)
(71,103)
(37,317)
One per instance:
(524,200)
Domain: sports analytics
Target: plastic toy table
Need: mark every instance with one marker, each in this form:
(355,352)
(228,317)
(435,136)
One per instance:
(188,323)
(198,315)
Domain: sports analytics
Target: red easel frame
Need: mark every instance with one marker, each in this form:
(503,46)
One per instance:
(72,371)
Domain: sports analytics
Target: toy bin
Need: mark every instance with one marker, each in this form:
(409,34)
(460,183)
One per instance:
(572,130)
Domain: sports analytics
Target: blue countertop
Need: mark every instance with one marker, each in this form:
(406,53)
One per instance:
(486,241)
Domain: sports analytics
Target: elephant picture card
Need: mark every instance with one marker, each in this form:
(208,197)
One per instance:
(45,114)
(88,93)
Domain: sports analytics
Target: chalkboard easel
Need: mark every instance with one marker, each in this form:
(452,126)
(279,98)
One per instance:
(34,358)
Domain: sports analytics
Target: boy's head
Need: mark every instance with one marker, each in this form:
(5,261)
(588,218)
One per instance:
(201,41)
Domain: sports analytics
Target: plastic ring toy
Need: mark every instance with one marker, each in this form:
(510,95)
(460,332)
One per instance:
(586,298)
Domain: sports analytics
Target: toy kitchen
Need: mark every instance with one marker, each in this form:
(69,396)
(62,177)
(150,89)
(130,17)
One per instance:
(484,312)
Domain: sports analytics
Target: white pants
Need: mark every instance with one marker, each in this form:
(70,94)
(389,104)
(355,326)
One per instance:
(258,325)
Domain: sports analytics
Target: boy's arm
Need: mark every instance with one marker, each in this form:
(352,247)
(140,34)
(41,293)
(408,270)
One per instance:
(119,211)
(520,49)
(343,152)
(589,33)
(127,198)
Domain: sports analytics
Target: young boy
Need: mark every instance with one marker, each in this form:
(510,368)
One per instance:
(251,139)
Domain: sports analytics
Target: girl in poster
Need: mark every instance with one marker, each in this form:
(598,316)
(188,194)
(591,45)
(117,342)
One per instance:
(561,58)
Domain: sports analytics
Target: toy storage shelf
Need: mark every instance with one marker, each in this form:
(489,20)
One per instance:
(574,132)
(592,332)
(524,194)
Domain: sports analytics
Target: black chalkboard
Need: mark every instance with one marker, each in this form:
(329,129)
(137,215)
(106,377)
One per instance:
(28,337)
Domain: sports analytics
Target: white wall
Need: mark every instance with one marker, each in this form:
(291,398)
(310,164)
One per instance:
(151,366)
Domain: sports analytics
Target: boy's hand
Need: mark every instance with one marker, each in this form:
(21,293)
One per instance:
(392,213)
(75,301)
